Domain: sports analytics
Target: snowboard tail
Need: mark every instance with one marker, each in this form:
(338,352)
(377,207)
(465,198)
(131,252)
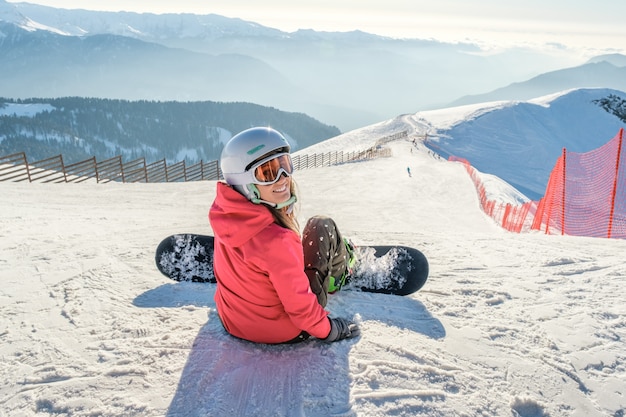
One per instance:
(399,270)
(186,257)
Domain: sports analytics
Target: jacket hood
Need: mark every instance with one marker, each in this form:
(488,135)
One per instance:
(234,219)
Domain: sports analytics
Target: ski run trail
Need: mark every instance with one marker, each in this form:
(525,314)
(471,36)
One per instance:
(508,324)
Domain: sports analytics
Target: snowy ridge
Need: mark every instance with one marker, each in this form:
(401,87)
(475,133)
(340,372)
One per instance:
(526,325)
(519,141)
(24,110)
(9,13)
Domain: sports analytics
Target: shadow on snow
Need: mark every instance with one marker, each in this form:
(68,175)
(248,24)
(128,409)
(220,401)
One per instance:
(227,376)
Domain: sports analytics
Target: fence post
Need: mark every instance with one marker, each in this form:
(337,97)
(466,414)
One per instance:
(63,168)
(617,163)
(563,199)
(122,170)
(30,179)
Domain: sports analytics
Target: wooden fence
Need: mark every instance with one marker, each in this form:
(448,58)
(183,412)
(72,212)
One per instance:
(16,168)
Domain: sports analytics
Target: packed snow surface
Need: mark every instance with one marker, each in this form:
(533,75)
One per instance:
(507,325)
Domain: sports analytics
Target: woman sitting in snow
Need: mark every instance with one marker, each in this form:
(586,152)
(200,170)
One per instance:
(272,288)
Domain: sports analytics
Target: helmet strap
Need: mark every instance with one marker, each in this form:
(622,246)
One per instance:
(290,202)
(254,196)
(253,193)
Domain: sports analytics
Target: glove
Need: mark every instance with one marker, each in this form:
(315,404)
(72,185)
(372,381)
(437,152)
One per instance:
(341,328)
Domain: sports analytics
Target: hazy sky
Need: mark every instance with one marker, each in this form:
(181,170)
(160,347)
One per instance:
(596,25)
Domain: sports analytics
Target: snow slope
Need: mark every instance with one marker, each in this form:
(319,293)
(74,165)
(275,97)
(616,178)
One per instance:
(525,325)
(520,141)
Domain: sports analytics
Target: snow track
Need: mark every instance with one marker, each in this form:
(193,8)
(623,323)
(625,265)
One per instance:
(525,325)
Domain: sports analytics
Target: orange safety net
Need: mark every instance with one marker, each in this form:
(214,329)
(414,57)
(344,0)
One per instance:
(510,217)
(586,193)
(585,196)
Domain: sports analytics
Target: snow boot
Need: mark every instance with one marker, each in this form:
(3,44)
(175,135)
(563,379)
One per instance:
(335,284)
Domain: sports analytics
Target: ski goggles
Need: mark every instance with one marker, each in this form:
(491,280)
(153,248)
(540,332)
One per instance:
(269,170)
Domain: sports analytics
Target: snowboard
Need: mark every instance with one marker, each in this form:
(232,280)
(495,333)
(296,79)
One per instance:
(398,270)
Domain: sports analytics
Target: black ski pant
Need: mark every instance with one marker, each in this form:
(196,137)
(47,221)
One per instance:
(325,255)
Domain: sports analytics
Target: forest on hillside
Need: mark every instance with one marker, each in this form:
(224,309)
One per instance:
(79,128)
(614,105)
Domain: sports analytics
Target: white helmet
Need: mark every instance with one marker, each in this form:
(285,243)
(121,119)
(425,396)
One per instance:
(245,151)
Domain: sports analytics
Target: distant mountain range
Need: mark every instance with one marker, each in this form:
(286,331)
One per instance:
(344,79)
(606,71)
(176,86)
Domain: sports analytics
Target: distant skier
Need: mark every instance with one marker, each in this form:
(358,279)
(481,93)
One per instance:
(408,169)
(272,288)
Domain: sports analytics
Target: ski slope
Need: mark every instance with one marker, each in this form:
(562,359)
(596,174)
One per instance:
(526,325)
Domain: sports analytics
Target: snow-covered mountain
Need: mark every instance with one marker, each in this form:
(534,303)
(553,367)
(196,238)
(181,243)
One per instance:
(144,26)
(10,14)
(130,55)
(348,80)
(82,128)
(606,71)
(518,141)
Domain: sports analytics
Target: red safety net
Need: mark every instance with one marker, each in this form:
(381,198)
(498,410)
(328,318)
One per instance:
(511,217)
(585,196)
(586,193)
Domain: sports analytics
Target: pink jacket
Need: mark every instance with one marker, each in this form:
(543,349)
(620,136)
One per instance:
(263,294)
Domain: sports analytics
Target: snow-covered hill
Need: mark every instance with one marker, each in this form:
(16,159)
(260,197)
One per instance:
(518,141)
(524,325)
